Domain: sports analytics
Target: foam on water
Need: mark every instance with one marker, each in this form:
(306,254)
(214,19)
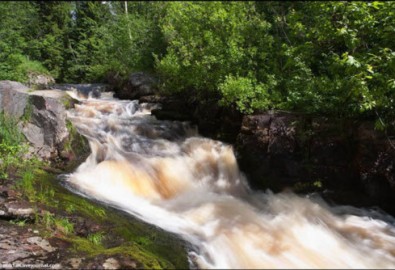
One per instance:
(166,174)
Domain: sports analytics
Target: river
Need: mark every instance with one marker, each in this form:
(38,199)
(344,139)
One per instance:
(164,173)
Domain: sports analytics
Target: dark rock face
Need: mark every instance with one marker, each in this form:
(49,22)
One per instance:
(375,158)
(138,84)
(217,122)
(346,160)
(279,150)
(211,119)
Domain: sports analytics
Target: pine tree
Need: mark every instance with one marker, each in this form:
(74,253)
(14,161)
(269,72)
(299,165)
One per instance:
(55,18)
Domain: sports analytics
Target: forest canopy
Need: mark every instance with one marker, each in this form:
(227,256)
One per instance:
(317,57)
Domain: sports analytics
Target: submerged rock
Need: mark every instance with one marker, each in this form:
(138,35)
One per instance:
(84,90)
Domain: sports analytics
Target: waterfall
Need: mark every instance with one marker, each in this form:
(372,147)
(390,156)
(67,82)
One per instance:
(164,173)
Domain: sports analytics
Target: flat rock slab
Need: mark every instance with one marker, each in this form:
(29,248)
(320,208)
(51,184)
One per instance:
(19,209)
(56,94)
(20,246)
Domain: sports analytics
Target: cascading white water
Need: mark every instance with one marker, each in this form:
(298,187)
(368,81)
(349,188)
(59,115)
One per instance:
(164,173)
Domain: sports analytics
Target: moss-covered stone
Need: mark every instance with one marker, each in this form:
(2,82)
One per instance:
(121,234)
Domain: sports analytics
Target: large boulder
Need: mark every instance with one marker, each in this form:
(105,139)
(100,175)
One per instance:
(306,153)
(40,81)
(46,127)
(211,119)
(137,85)
(13,98)
(41,116)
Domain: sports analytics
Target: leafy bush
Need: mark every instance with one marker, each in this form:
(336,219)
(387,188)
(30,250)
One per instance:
(208,41)
(16,67)
(338,59)
(333,58)
(12,147)
(246,93)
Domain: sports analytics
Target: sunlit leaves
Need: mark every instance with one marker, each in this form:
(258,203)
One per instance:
(318,57)
(245,92)
(209,41)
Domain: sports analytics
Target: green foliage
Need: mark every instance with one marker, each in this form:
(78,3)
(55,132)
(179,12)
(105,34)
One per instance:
(17,24)
(208,41)
(17,67)
(59,224)
(64,225)
(26,183)
(20,223)
(27,113)
(96,238)
(12,147)
(246,93)
(70,209)
(9,133)
(47,219)
(317,57)
(333,58)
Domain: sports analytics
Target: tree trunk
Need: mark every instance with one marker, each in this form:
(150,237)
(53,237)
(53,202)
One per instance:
(127,17)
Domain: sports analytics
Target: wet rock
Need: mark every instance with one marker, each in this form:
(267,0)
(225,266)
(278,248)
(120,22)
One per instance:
(137,85)
(152,99)
(84,90)
(281,150)
(111,263)
(83,227)
(212,120)
(19,209)
(216,121)
(49,115)
(161,114)
(74,263)
(18,246)
(42,243)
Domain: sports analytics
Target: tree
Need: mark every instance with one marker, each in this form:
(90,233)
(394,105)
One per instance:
(52,33)
(210,45)
(18,24)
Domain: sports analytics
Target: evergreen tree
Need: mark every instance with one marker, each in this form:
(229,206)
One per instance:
(55,17)
(87,40)
(18,25)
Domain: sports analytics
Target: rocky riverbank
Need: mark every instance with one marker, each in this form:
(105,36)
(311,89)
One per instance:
(64,231)
(42,224)
(347,161)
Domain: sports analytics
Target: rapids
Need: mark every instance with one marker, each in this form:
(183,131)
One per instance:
(164,173)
